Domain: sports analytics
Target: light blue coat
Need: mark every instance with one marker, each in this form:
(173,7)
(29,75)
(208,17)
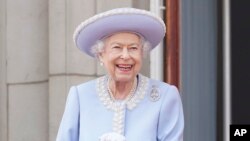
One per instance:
(157,118)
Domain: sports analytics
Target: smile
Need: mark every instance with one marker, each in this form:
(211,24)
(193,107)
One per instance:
(124,67)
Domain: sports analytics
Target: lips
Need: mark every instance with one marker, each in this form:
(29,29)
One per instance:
(124,67)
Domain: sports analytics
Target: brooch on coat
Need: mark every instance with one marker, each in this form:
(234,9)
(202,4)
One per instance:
(155,93)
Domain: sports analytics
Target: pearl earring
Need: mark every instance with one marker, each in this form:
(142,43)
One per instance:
(101,63)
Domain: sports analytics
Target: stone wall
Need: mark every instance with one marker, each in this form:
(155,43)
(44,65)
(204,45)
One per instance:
(39,62)
(24,70)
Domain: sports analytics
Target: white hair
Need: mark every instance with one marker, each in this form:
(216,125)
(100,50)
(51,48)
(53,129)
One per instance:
(98,47)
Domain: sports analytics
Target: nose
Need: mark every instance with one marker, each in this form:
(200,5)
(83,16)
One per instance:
(125,54)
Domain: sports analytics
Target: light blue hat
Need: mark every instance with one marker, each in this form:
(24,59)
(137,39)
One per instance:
(142,22)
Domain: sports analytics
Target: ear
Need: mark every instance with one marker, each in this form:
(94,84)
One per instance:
(100,57)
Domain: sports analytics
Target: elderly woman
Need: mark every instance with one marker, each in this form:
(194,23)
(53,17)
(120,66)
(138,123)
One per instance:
(122,105)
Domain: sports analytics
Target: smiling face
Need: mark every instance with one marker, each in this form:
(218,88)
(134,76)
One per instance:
(122,56)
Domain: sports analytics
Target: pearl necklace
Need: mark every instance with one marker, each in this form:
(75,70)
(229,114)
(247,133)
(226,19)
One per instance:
(136,94)
(132,101)
(129,96)
(119,115)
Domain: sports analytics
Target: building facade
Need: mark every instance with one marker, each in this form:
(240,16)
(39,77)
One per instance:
(39,62)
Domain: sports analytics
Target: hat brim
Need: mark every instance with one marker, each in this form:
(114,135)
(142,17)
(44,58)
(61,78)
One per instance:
(149,27)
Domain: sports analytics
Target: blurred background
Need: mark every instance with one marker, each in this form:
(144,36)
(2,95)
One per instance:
(205,54)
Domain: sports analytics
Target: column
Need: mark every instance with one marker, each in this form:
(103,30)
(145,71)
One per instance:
(68,65)
(3,85)
(27,69)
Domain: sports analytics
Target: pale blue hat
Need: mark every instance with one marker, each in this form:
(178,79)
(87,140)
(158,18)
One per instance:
(142,22)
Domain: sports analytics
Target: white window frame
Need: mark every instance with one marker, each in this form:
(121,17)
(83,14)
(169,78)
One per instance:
(226,68)
(156,55)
